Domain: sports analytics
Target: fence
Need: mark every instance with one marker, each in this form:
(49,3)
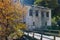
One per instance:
(45,33)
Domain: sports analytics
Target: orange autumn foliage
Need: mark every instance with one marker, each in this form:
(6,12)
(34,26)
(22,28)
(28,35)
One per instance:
(11,15)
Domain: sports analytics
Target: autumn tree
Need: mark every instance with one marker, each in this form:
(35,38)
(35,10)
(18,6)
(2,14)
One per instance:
(11,17)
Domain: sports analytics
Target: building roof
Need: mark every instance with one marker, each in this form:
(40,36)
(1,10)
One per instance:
(41,7)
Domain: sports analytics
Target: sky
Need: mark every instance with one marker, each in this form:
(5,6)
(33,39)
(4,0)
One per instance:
(59,1)
(27,2)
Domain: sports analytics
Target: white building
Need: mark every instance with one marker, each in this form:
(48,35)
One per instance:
(37,17)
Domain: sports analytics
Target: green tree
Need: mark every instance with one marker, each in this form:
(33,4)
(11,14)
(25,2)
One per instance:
(52,4)
(47,3)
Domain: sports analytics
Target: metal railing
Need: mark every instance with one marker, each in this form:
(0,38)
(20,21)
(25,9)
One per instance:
(45,33)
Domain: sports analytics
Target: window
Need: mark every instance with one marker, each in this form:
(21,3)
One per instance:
(47,14)
(24,22)
(42,14)
(31,12)
(33,23)
(45,23)
(36,12)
